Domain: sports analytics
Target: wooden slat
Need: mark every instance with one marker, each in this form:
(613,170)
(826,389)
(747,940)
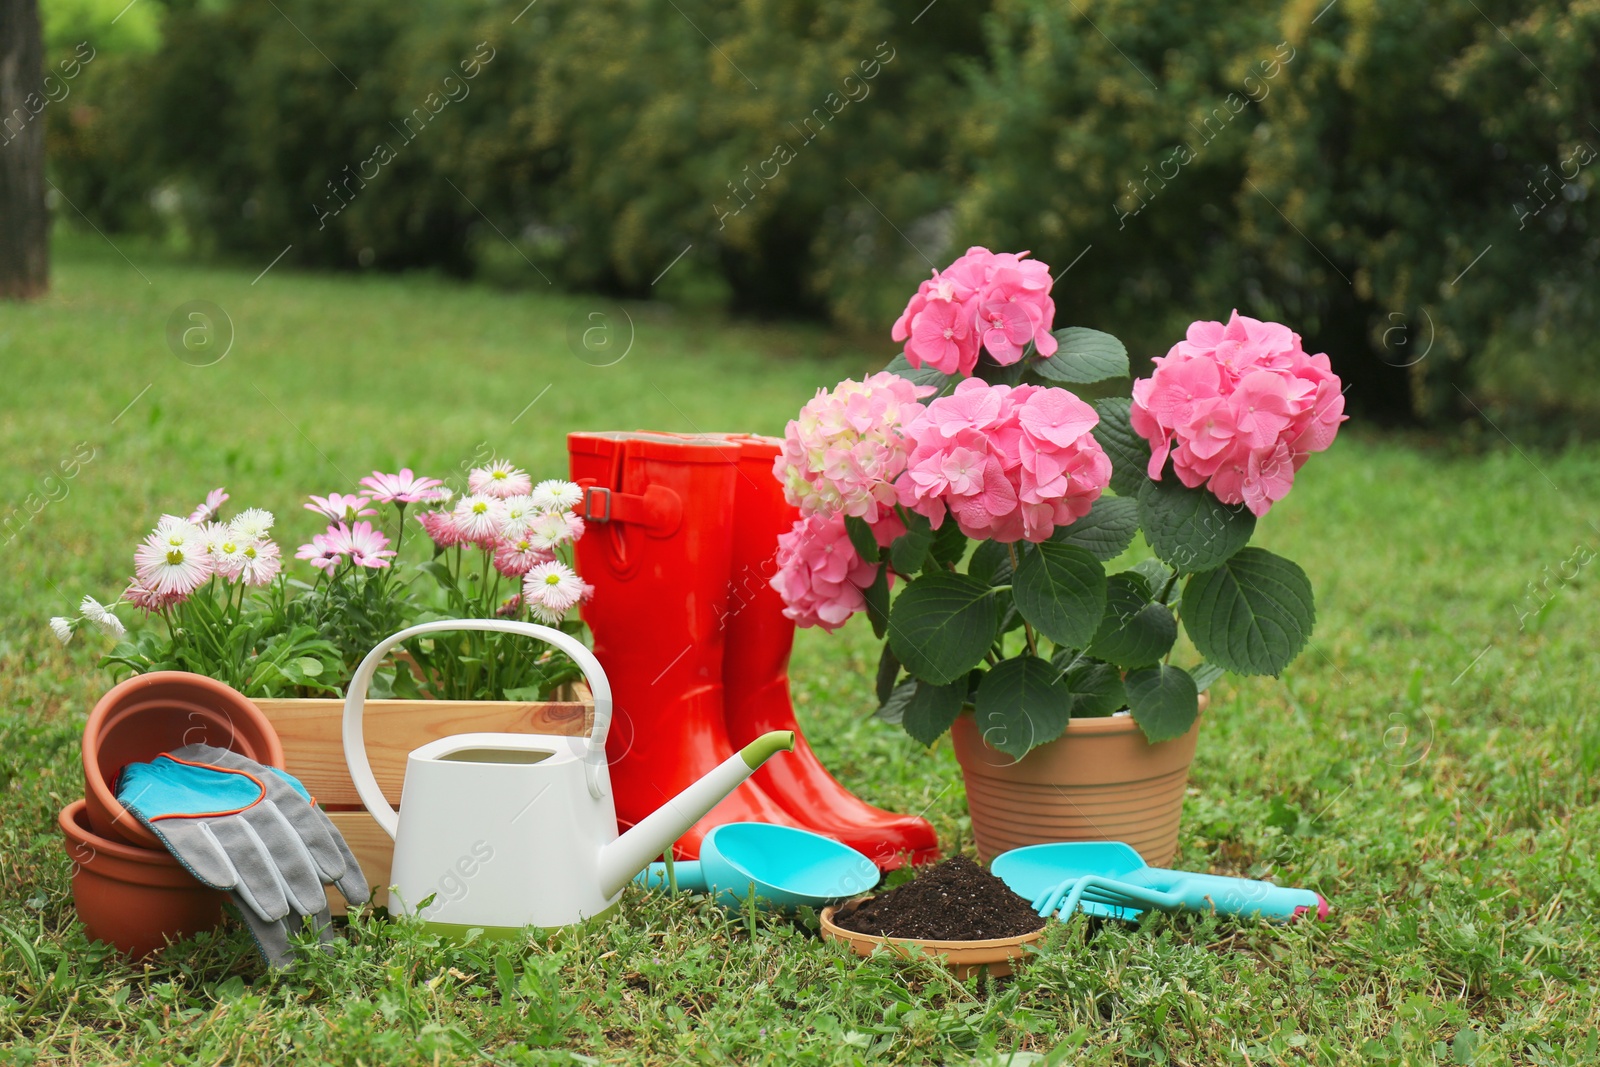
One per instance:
(372,847)
(313,747)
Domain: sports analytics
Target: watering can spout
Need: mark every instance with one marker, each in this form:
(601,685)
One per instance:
(630,853)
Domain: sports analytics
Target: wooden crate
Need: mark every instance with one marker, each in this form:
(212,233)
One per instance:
(313,749)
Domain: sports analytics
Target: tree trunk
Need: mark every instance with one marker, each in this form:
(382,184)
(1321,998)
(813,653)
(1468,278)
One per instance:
(24,223)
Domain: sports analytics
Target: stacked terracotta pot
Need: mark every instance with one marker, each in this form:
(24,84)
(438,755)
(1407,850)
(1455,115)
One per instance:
(129,891)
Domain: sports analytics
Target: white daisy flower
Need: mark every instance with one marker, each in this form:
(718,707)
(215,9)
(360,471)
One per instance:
(557,495)
(176,526)
(550,529)
(62,628)
(212,535)
(102,617)
(479,517)
(252,524)
(548,616)
(519,513)
(553,585)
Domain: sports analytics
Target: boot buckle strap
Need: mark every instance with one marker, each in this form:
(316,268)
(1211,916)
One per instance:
(589,493)
(658,509)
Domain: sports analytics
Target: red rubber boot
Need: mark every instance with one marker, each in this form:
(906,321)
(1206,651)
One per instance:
(755,675)
(657,552)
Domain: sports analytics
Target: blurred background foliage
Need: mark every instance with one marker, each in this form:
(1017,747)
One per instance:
(1407,184)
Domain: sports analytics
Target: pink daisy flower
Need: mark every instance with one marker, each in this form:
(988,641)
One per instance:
(320,552)
(499,479)
(208,510)
(365,546)
(553,586)
(519,554)
(441,526)
(175,565)
(260,563)
(402,488)
(146,599)
(341,507)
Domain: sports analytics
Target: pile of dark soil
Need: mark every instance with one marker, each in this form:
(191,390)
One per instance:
(956,900)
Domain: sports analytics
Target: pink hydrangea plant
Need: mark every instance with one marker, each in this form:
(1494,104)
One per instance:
(1010,463)
(820,575)
(844,452)
(1245,405)
(984,300)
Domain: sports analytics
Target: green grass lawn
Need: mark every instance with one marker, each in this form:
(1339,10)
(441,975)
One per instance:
(1430,764)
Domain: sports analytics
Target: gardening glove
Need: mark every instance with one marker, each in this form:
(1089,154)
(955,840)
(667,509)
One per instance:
(251,830)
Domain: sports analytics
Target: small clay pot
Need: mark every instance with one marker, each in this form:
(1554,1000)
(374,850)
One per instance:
(154,713)
(137,899)
(964,958)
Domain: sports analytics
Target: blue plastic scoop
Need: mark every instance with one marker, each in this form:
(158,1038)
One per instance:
(784,867)
(1110,879)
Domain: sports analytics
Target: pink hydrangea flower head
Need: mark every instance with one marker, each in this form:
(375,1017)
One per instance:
(1008,463)
(1237,407)
(342,507)
(499,479)
(847,447)
(402,488)
(820,575)
(996,302)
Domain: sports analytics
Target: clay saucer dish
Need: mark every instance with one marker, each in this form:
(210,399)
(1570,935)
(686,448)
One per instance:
(964,958)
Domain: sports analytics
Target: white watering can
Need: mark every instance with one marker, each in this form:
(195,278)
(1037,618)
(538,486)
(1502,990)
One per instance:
(504,831)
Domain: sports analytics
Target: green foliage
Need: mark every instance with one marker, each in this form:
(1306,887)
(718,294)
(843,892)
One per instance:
(941,626)
(1190,528)
(1339,169)
(1164,701)
(1061,590)
(1253,614)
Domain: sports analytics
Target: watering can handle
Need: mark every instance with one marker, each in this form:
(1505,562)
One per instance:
(355,745)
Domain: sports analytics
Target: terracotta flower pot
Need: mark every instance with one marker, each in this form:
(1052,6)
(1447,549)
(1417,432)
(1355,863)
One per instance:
(964,958)
(1100,781)
(137,899)
(154,713)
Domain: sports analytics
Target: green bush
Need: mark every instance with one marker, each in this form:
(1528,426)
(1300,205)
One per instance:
(1340,168)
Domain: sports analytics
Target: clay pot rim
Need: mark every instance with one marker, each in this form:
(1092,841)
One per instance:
(1117,723)
(104,794)
(81,834)
(846,934)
